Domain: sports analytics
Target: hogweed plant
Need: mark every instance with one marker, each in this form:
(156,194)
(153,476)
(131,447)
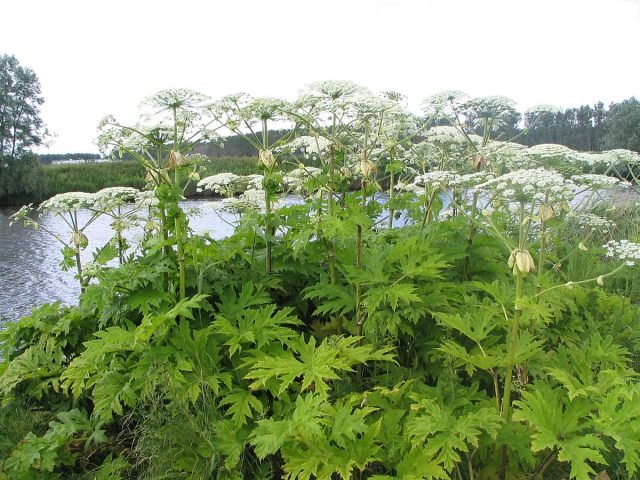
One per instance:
(172,123)
(78,210)
(458,344)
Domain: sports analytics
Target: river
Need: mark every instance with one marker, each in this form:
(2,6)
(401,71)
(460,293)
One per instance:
(30,273)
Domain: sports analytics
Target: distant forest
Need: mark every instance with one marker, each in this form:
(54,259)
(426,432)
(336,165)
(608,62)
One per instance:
(585,128)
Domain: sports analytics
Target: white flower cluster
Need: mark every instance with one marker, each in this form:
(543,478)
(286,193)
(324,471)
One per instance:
(443,104)
(495,106)
(309,146)
(179,98)
(114,197)
(252,199)
(254,181)
(624,156)
(595,222)
(147,199)
(512,156)
(593,159)
(436,179)
(624,250)
(67,202)
(544,108)
(471,180)
(550,151)
(296,178)
(596,182)
(264,108)
(537,185)
(411,188)
(445,135)
(221,183)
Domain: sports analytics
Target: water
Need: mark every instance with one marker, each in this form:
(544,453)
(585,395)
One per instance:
(30,273)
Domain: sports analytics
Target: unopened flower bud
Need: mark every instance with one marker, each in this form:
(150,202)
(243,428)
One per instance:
(582,247)
(176,159)
(521,261)
(345,172)
(79,239)
(366,166)
(267,158)
(478,161)
(600,280)
(546,213)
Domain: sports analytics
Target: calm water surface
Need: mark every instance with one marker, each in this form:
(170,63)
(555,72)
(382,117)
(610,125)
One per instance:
(30,272)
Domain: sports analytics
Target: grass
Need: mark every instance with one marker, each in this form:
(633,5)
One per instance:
(91,177)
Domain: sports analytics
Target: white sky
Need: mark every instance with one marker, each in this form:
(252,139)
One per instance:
(98,57)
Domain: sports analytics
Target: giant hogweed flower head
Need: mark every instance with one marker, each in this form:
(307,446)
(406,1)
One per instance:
(445,135)
(543,108)
(221,183)
(549,153)
(623,156)
(67,202)
(436,179)
(111,198)
(540,186)
(264,108)
(508,157)
(443,105)
(330,97)
(495,106)
(593,160)
(296,179)
(147,199)
(597,182)
(628,252)
(178,99)
(589,221)
(471,180)
(310,147)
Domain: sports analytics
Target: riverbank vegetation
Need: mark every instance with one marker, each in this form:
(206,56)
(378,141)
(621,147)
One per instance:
(91,177)
(469,311)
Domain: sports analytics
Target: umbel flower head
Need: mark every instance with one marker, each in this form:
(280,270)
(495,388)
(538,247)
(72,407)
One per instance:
(113,197)
(67,202)
(221,183)
(531,186)
(628,252)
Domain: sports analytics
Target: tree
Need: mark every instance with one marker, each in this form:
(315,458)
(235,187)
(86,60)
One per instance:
(20,98)
(622,125)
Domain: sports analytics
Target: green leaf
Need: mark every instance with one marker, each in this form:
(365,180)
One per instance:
(242,405)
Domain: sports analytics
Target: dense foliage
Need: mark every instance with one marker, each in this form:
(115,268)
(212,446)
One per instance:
(476,320)
(21,179)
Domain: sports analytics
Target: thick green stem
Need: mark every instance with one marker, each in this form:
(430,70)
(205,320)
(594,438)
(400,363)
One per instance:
(181,269)
(472,230)
(506,398)
(391,210)
(79,268)
(511,352)
(269,233)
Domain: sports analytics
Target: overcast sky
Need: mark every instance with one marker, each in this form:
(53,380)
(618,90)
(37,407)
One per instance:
(103,57)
